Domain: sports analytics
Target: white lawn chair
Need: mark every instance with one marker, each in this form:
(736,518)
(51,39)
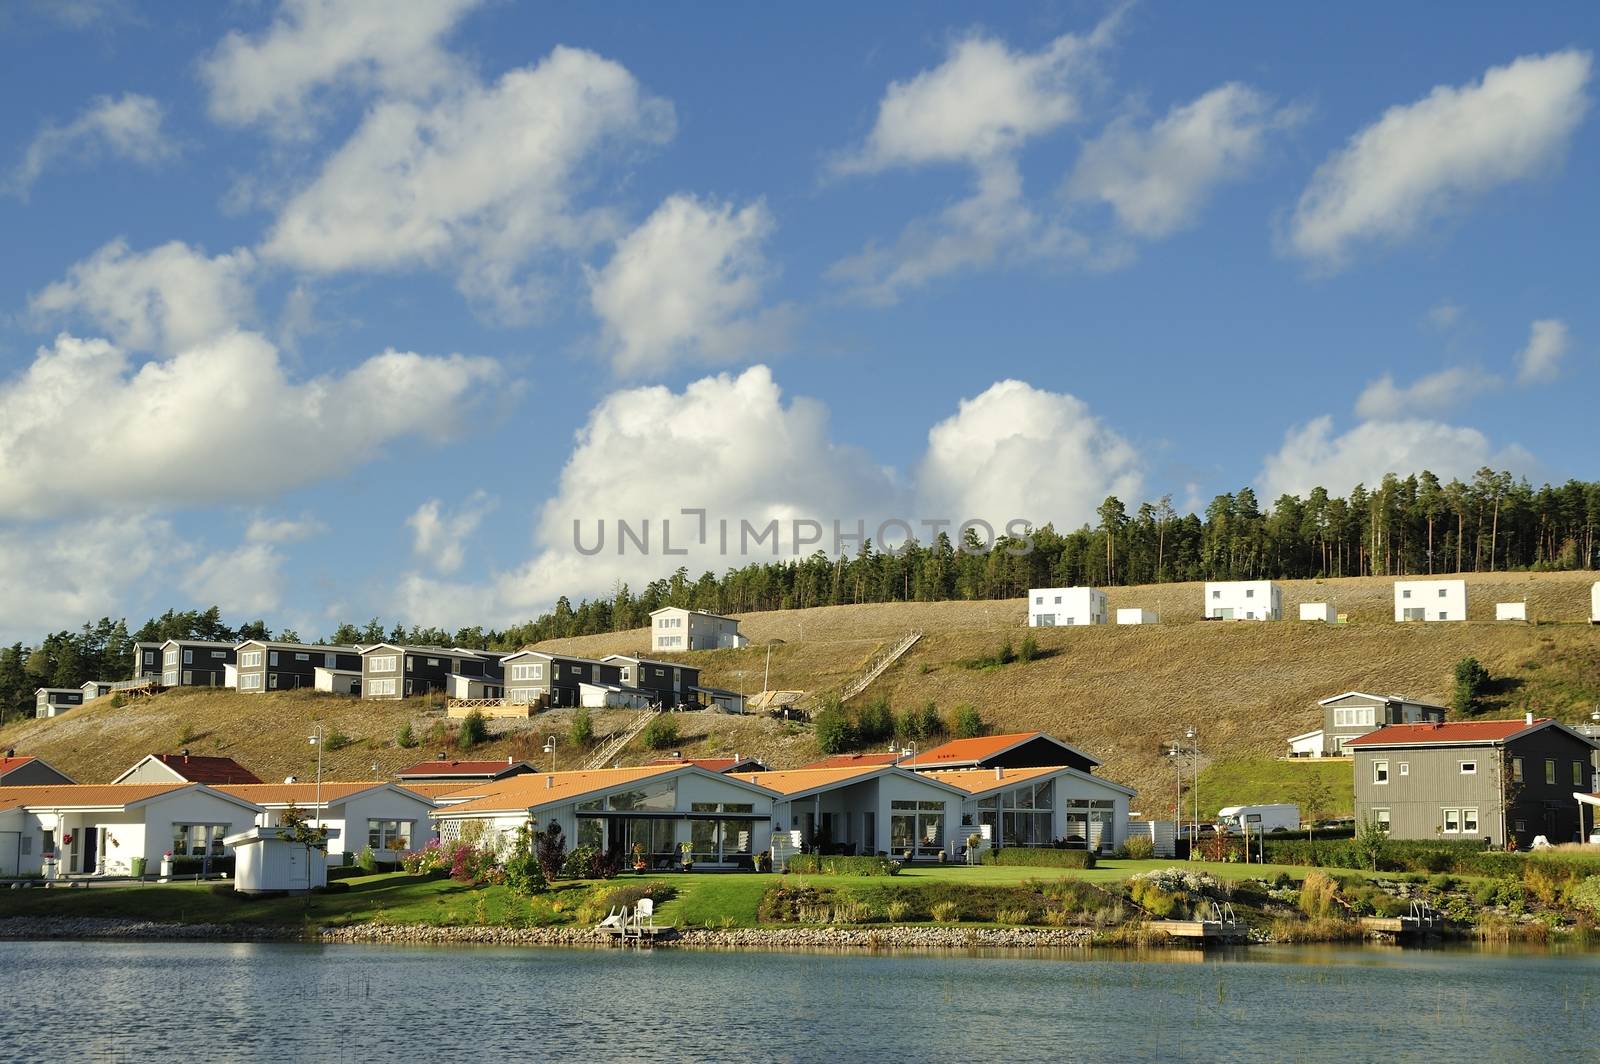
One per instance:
(644,915)
(614,918)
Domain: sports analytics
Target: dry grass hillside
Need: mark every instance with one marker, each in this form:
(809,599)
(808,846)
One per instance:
(1118,692)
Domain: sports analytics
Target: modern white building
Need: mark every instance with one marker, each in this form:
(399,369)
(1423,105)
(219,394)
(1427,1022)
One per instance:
(1318,611)
(866,809)
(383,816)
(267,862)
(1137,616)
(1243,600)
(1510,611)
(675,628)
(1055,607)
(1430,600)
(1038,806)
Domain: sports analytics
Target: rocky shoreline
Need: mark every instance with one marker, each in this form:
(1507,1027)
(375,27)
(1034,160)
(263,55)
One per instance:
(809,938)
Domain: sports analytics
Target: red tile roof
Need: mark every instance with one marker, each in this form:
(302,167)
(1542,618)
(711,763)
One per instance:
(1466,731)
(853,761)
(9,763)
(207,769)
(462,769)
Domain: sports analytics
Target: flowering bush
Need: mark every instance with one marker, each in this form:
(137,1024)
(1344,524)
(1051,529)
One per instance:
(430,859)
(469,864)
(1178,881)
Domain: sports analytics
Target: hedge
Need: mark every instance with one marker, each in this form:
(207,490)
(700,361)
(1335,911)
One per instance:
(811,864)
(1040,857)
(1430,856)
(194,866)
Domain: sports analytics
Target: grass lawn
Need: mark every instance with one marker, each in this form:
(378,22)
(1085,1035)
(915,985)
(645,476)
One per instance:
(1268,781)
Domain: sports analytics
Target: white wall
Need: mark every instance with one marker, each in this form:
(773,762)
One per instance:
(1510,611)
(1310,746)
(1137,617)
(1318,611)
(1244,600)
(1061,606)
(1594,604)
(1440,600)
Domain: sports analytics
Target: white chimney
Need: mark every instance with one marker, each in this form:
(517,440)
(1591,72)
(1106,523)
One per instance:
(549,782)
(510,760)
(999,773)
(1528,719)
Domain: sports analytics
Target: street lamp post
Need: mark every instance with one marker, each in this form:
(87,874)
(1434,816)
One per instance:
(550,748)
(1194,751)
(316,741)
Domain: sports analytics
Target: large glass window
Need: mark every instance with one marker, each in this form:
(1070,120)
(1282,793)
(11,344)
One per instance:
(195,840)
(592,832)
(719,841)
(389,835)
(917,827)
(662,797)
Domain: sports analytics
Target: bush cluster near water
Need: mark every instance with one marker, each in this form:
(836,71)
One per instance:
(1040,857)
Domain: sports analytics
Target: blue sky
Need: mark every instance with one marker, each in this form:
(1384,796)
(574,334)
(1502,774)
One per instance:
(318,311)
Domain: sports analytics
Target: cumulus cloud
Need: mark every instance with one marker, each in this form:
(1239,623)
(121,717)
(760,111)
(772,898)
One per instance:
(1540,360)
(125,127)
(283,529)
(441,537)
(311,45)
(1019,451)
(686,285)
(218,421)
(247,579)
(57,575)
(1435,393)
(1424,160)
(164,299)
(1312,454)
(1156,179)
(480,181)
(977,109)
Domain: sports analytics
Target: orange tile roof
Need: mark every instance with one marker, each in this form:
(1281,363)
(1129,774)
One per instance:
(521,793)
(847,760)
(440,788)
(978,780)
(302,794)
(1466,731)
(969,750)
(89,794)
(794,781)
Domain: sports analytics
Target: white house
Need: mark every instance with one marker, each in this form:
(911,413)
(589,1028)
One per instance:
(1430,600)
(724,819)
(1037,806)
(1594,604)
(1510,611)
(676,628)
(1137,616)
(83,830)
(867,809)
(267,862)
(1243,600)
(1318,611)
(386,817)
(336,681)
(1052,607)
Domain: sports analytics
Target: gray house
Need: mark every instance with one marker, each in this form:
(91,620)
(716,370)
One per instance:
(392,670)
(1355,713)
(93,689)
(537,678)
(268,666)
(54,701)
(1482,779)
(29,771)
(146,661)
(667,682)
(195,663)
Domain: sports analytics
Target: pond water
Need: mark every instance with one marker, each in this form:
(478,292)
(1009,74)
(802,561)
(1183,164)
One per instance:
(224,1001)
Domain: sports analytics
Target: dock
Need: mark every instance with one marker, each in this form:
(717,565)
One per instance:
(1422,919)
(1204,931)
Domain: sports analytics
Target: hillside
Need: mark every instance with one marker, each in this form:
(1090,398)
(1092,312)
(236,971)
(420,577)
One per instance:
(1118,692)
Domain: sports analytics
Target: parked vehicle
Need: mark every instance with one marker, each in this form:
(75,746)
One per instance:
(1259,818)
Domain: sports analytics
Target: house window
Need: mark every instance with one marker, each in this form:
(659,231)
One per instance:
(218,654)
(188,657)
(188,677)
(1516,769)
(330,661)
(661,672)
(272,658)
(522,695)
(1405,768)
(250,681)
(149,657)
(1038,600)
(380,687)
(1452,821)
(411,663)
(302,657)
(171,658)
(1045,620)
(389,835)
(527,672)
(433,663)
(1469,768)
(1405,593)
(1519,825)
(1216,594)
(577,670)
(1380,772)
(1469,821)
(169,679)
(195,840)
(1443,616)
(1357,717)
(627,674)
(1249,592)
(1550,771)
(382,663)
(250,659)
(1577,773)
(1380,819)
(272,680)
(1058,600)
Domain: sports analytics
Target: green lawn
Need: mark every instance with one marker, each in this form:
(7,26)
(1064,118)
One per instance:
(1268,781)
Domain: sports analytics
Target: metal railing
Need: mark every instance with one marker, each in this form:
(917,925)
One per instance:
(878,665)
(619,741)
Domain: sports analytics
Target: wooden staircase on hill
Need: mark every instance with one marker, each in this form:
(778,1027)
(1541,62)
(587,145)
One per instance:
(878,665)
(619,740)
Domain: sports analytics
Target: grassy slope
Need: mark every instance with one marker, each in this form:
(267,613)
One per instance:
(1266,780)
(1118,692)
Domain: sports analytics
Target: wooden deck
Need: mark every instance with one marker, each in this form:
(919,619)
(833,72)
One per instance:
(1394,925)
(1200,930)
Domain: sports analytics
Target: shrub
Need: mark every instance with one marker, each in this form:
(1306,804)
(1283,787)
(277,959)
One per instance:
(474,731)
(118,701)
(874,720)
(1139,848)
(406,738)
(1371,842)
(931,724)
(1030,649)
(523,872)
(336,740)
(551,850)
(897,911)
(1543,882)
(1159,903)
(1586,895)
(1040,857)
(946,912)
(368,861)
(469,864)
(836,733)
(1012,916)
(661,733)
(188,734)
(1472,679)
(811,864)
(1443,882)
(431,859)
(581,732)
(1319,895)
(965,723)
(580,863)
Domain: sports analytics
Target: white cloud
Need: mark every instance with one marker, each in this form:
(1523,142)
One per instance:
(127,127)
(440,537)
(685,285)
(1422,160)
(1445,314)
(1312,456)
(165,299)
(1018,451)
(59,575)
(318,44)
(1158,178)
(246,580)
(481,181)
(283,529)
(1540,360)
(218,421)
(984,101)
(1435,393)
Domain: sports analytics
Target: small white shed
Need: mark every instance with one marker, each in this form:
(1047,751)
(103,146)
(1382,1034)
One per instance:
(267,862)
(1510,611)
(1137,617)
(1594,604)
(1319,611)
(339,681)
